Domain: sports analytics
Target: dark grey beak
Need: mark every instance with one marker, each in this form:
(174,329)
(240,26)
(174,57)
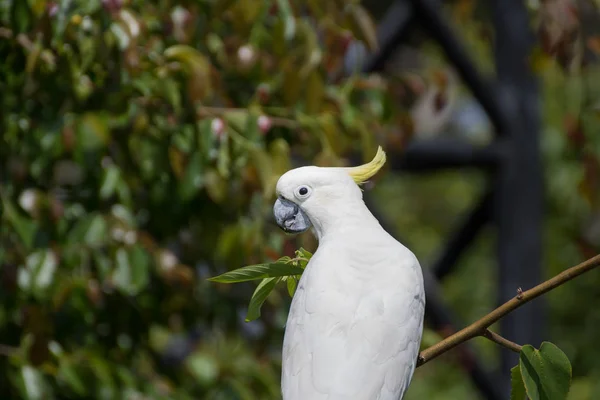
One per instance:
(290,217)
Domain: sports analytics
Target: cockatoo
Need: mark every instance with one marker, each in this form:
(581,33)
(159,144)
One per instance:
(355,324)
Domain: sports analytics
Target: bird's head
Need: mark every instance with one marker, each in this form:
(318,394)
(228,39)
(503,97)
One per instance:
(320,196)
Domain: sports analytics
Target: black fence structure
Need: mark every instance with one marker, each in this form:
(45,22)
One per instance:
(513,202)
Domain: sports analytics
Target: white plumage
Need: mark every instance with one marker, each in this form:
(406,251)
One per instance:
(356,320)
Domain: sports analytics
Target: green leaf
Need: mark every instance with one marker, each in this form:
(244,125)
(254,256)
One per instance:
(198,68)
(517,391)
(45,263)
(102,370)
(158,338)
(131,274)
(303,257)
(193,177)
(123,214)
(241,389)
(110,180)
(287,15)
(21,16)
(24,227)
(203,367)
(315,92)
(258,271)
(68,373)
(546,372)
(292,83)
(91,230)
(34,384)
(302,252)
(259,296)
(38,272)
(92,131)
(292,283)
(362,26)
(140,261)
(216,186)
(237,119)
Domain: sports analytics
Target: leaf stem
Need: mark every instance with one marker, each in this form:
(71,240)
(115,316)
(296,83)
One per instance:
(502,341)
(479,327)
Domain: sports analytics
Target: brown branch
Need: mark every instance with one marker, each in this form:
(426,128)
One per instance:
(502,341)
(479,327)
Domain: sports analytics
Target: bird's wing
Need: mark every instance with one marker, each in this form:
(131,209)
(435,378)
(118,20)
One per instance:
(354,335)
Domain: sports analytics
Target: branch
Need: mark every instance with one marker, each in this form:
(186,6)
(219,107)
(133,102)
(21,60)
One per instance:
(220,111)
(480,327)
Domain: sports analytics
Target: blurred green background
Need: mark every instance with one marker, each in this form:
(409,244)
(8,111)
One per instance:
(140,145)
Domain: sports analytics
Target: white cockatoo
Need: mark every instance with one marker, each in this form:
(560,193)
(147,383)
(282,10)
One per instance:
(355,324)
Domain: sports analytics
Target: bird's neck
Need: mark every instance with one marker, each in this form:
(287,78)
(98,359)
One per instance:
(343,220)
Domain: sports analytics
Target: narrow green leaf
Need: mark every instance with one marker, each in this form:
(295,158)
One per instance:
(33,383)
(91,230)
(241,389)
(44,263)
(193,178)
(131,274)
(292,283)
(517,391)
(110,180)
(101,368)
(258,298)
(315,92)
(122,273)
(305,253)
(23,226)
(546,372)
(140,274)
(363,26)
(21,15)
(287,15)
(304,256)
(38,273)
(258,271)
(68,373)
(198,68)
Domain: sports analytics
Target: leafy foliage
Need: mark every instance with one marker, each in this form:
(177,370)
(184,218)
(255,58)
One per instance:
(286,269)
(140,145)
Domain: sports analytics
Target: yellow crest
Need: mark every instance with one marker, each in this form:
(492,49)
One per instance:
(362,173)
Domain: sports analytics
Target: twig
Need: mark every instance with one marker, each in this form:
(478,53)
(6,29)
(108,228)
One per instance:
(502,341)
(220,111)
(479,327)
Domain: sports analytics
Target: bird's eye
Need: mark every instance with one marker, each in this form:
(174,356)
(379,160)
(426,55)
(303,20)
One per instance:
(302,192)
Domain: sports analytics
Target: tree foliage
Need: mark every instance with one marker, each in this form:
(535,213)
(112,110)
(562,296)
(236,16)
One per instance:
(140,145)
